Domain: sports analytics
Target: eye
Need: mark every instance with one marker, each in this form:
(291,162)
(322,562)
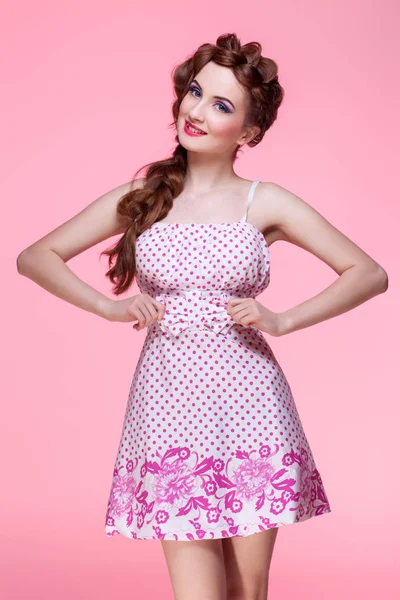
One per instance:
(223,106)
(225,109)
(194,89)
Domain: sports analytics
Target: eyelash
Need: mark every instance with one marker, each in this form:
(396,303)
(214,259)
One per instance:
(220,103)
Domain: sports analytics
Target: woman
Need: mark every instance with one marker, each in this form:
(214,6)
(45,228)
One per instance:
(212,449)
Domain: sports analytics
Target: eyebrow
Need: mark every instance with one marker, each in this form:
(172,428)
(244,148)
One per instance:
(217,97)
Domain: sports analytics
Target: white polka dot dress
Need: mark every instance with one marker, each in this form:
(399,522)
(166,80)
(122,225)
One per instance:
(212,445)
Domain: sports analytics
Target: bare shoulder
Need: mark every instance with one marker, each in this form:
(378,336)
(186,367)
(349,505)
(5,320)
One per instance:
(275,202)
(265,211)
(295,220)
(283,211)
(97,222)
(137,183)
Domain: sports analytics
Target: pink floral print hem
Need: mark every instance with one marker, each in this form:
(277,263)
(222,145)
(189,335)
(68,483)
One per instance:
(213,498)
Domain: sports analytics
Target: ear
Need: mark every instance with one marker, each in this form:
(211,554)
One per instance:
(248,135)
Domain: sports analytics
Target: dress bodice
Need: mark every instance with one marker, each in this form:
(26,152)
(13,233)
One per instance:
(195,268)
(231,257)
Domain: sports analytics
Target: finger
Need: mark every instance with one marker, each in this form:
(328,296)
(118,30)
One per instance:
(243,316)
(239,311)
(161,308)
(140,316)
(149,312)
(247,321)
(235,301)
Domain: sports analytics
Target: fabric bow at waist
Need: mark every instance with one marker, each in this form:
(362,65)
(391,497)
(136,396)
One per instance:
(195,309)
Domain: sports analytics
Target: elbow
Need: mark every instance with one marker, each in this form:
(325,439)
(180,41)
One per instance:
(375,278)
(382,279)
(385,283)
(22,261)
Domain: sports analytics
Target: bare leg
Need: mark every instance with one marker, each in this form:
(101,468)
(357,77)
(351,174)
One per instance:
(196,569)
(247,564)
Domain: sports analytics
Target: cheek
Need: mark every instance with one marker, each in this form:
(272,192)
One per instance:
(185,106)
(225,127)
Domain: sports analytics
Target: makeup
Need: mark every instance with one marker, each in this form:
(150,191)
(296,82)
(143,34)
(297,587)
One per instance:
(195,132)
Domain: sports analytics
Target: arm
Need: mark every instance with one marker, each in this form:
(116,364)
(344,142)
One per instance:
(360,277)
(45,261)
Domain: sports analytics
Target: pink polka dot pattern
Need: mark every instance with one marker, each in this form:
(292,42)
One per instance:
(212,444)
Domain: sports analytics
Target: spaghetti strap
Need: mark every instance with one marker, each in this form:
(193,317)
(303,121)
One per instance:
(250,198)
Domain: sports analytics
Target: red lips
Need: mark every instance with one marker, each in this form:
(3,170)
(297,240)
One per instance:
(194,127)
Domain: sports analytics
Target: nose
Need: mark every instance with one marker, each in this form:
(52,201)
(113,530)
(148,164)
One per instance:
(196,114)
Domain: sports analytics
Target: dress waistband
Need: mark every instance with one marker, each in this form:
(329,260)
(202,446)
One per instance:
(195,309)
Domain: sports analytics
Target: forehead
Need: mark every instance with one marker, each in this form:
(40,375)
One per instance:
(216,80)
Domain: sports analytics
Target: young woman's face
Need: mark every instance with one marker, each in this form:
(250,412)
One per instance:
(216,104)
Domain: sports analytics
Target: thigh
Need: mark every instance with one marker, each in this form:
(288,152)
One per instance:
(247,563)
(196,568)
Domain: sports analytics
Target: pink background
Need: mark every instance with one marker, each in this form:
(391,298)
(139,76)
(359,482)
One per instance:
(86,100)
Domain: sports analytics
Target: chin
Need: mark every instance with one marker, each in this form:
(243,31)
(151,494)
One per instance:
(190,143)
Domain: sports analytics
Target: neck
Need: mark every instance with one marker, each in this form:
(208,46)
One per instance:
(207,172)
